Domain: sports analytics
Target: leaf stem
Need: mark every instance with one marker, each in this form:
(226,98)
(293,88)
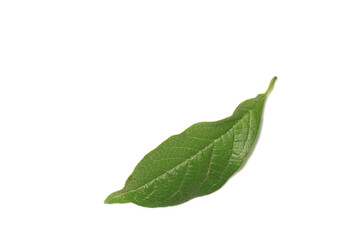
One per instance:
(271,85)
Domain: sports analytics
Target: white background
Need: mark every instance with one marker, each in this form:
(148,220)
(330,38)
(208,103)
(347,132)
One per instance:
(87,88)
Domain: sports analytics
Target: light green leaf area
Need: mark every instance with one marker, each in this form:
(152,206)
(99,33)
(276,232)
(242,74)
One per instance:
(195,162)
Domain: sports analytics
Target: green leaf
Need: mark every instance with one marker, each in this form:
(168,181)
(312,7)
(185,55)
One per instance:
(196,162)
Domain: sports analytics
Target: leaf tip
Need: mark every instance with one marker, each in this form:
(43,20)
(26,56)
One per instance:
(271,85)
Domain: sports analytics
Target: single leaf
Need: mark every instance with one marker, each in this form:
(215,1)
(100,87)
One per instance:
(196,162)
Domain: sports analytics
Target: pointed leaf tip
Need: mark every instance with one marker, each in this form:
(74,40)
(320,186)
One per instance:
(271,85)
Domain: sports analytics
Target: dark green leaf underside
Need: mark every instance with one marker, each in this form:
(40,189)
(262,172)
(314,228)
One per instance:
(196,162)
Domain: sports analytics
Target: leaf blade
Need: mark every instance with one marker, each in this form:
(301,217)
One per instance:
(195,162)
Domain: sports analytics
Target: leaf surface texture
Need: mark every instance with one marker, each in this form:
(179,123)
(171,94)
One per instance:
(195,162)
